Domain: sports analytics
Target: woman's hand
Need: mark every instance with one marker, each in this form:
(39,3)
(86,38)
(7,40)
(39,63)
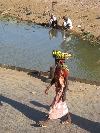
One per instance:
(46,91)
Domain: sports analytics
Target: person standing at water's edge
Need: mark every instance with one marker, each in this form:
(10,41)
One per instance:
(58,108)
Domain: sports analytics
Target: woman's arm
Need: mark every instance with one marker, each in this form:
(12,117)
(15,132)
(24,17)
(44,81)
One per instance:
(66,85)
(65,89)
(52,82)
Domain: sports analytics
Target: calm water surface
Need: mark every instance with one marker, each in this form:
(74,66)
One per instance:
(30,46)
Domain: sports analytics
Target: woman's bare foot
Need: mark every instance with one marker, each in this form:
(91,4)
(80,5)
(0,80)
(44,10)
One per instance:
(66,121)
(42,124)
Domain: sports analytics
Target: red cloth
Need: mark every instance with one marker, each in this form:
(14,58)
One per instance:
(62,61)
(60,74)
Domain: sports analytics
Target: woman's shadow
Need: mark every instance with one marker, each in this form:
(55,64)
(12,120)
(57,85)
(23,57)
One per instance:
(36,115)
(29,112)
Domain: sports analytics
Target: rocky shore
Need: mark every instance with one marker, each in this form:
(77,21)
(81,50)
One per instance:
(85,14)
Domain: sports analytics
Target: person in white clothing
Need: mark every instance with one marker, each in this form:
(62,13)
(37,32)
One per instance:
(67,24)
(53,21)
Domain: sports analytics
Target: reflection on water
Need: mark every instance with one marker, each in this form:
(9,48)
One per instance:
(53,33)
(66,37)
(31,47)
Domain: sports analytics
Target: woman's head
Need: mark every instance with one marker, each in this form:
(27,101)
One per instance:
(59,62)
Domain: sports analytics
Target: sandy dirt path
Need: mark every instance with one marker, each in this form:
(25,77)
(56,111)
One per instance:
(23,103)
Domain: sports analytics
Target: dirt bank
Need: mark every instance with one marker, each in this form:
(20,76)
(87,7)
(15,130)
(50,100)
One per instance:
(83,13)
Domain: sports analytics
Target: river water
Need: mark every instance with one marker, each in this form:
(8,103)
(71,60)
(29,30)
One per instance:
(30,46)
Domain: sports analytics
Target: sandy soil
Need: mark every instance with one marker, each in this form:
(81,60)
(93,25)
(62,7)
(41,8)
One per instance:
(23,104)
(84,13)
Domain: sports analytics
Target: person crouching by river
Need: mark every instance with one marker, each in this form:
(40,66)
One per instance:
(58,108)
(53,22)
(67,24)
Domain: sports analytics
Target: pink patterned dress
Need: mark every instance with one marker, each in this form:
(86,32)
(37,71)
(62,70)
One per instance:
(58,108)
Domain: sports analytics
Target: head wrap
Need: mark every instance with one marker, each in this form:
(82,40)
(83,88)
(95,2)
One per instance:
(62,60)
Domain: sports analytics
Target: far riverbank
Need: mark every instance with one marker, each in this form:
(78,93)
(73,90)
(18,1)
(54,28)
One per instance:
(85,16)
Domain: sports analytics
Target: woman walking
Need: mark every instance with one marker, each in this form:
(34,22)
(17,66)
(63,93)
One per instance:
(58,108)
